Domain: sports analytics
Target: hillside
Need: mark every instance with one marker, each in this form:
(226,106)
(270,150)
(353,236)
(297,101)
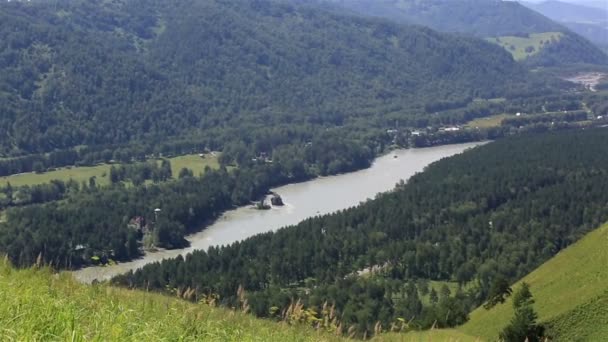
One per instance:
(570,293)
(589,22)
(39,305)
(485,19)
(76,73)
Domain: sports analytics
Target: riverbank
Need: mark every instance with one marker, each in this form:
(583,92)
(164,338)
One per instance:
(319,196)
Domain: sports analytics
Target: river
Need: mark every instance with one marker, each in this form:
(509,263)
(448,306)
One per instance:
(302,200)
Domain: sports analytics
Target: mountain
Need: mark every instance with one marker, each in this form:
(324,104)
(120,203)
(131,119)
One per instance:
(569,12)
(83,72)
(589,22)
(487,19)
(570,294)
(481,18)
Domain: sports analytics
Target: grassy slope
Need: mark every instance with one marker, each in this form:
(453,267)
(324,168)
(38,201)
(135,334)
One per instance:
(102,172)
(489,122)
(569,291)
(442,335)
(37,305)
(520,44)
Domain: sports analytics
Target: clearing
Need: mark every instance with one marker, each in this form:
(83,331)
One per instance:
(489,122)
(102,172)
(524,47)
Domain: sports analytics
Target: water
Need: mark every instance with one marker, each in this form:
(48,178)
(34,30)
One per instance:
(302,200)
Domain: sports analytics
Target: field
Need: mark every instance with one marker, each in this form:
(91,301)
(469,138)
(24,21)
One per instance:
(101,172)
(79,174)
(570,292)
(193,162)
(521,47)
(488,122)
(438,335)
(36,305)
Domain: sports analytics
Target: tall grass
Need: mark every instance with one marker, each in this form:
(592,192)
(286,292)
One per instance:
(38,305)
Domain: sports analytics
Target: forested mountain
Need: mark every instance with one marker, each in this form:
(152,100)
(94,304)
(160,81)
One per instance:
(485,19)
(495,212)
(85,72)
(589,22)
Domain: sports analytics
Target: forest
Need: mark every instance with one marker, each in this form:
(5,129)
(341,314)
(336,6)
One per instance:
(483,18)
(93,223)
(488,215)
(209,70)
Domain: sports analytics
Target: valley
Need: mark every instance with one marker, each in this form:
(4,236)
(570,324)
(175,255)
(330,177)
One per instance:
(302,170)
(321,196)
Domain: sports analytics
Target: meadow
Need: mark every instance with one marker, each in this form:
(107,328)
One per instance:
(522,47)
(37,305)
(488,122)
(101,172)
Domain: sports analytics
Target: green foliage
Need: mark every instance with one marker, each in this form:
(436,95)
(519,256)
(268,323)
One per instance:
(585,322)
(83,73)
(523,326)
(533,196)
(111,222)
(528,45)
(570,295)
(36,304)
(508,23)
(478,17)
(499,292)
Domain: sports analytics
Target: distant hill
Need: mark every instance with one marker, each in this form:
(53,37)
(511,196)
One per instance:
(589,22)
(88,73)
(570,293)
(569,12)
(486,19)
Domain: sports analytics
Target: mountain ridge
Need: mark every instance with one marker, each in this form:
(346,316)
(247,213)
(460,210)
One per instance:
(85,73)
(484,19)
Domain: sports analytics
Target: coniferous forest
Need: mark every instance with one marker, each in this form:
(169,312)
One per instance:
(493,213)
(213,70)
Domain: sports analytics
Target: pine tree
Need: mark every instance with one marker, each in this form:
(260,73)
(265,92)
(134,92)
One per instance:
(499,291)
(523,326)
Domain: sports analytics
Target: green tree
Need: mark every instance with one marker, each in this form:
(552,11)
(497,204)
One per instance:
(499,292)
(523,326)
(38,167)
(185,172)
(433,296)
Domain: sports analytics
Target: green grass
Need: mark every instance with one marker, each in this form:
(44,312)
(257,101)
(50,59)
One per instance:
(102,172)
(193,162)
(36,305)
(79,174)
(568,290)
(488,122)
(436,335)
(517,45)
